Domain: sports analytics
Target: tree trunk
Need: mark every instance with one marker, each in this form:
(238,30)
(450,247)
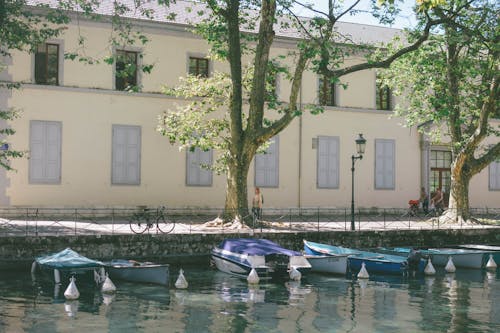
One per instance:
(236,206)
(458,206)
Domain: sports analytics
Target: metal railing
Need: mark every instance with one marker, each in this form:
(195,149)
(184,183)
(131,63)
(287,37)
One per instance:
(31,221)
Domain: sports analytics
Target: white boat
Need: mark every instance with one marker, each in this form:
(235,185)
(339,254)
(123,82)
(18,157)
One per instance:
(135,271)
(240,255)
(327,263)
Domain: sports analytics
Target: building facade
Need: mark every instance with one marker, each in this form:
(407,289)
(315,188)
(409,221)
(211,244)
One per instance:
(93,143)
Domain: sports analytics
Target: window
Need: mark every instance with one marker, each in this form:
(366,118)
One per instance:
(47,64)
(384,96)
(328,162)
(45,152)
(196,172)
(384,164)
(327,92)
(198,66)
(126,70)
(126,155)
(267,166)
(494,169)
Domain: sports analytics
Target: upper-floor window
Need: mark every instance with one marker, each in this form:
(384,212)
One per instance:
(267,165)
(198,66)
(383,96)
(327,92)
(126,70)
(47,64)
(494,183)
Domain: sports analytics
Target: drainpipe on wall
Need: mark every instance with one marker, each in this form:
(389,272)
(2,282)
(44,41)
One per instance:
(299,199)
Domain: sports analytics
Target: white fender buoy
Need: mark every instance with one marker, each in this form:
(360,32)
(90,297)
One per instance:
(71,308)
(181,282)
(108,286)
(450,267)
(72,291)
(57,276)
(491,264)
(295,275)
(429,268)
(363,273)
(33,267)
(253,277)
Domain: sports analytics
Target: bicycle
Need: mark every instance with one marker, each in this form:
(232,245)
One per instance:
(148,218)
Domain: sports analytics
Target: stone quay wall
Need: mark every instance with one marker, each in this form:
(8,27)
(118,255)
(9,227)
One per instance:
(195,248)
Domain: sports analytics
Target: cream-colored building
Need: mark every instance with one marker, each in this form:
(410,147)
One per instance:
(92,144)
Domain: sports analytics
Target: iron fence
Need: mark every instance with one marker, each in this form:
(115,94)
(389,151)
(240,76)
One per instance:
(31,221)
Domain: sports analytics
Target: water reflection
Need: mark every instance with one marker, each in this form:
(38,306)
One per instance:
(466,301)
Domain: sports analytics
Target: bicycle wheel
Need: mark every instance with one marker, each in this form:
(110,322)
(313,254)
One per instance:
(165,226)
(138,225)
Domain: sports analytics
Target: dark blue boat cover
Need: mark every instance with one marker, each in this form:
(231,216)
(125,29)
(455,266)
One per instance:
(255,247)
(67,258)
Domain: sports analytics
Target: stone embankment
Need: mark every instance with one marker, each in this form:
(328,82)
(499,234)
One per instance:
(195,248)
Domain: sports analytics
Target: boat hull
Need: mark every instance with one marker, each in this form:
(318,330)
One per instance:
(493,250)
(462,258)
(328,264)
(143,273)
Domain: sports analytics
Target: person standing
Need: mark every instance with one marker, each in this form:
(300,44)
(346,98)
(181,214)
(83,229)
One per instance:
(424,200)
(257,202)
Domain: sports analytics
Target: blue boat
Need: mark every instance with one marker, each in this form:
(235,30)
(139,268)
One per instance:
(464,258)
(375,263)
(240,255)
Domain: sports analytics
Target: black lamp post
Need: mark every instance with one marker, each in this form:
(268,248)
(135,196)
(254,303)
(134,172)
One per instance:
(360,148)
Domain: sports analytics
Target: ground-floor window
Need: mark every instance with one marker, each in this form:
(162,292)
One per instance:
(267,165)
(440,175)
(45,152)
(197,171)
(126,155)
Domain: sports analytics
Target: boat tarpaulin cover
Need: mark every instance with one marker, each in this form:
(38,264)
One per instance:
(67,258)
(255,247)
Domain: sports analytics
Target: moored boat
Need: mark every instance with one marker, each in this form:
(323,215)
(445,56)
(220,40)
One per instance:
(489,249)
(135,271)
(239,256)
(439,256)
(327,263)
(60,266)
(377,263)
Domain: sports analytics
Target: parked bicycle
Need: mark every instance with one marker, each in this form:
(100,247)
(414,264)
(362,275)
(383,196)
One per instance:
(150,218)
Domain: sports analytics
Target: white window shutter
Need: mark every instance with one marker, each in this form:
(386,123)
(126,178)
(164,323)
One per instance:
(328,162)
(126,153)
(45,151)
(494,182)
(196,175)
(384,164)
(267,165)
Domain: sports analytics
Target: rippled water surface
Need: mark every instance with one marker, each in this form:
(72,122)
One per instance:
(467,301)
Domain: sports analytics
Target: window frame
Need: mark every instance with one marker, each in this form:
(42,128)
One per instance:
(60,56)
(198,177)
(137,54)
(497,165)
(332,98)
(277,165)
(385,186)
(198,58)
(336,184)
(126,182)
(45,179)
(381,91)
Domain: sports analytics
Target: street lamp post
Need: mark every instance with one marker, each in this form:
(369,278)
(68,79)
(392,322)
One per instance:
(360,148)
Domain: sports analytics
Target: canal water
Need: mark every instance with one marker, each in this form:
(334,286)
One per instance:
(466,301)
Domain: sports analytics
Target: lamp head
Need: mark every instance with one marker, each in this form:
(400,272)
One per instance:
(360,144)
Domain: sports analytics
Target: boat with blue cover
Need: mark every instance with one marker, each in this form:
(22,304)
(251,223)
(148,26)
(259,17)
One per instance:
(237,256)
(464,258)
(375,263)
(62,265)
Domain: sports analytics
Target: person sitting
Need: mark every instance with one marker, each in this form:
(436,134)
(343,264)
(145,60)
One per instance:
(437,200)
(424,200)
